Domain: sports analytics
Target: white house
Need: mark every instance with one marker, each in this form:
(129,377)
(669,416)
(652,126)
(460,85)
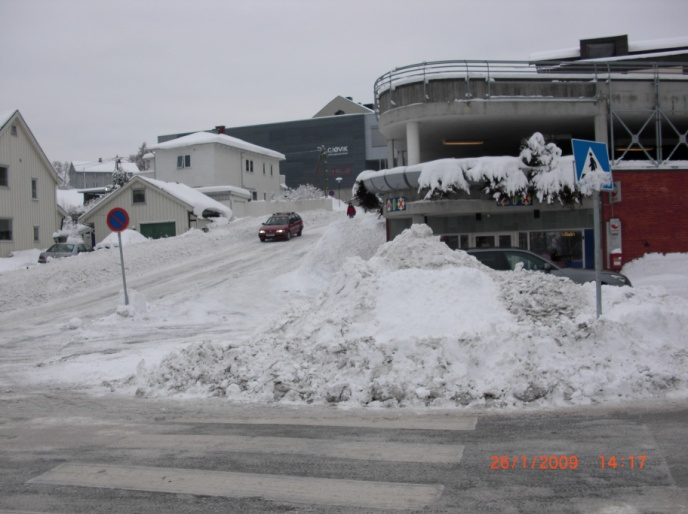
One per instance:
(28,205)
(97,174)
(207,159)
(156,209)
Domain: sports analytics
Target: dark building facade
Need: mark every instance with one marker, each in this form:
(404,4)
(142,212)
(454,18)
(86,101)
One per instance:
(327,151)
(318,150)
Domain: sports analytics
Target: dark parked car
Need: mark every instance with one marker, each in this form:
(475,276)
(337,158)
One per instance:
(59,250)
(281,225)
(509,258)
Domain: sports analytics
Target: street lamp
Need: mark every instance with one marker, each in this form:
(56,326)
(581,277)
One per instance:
(339,183)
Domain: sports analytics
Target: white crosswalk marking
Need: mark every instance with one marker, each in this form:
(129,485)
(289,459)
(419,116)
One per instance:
(422,423)
(361,450)
(318,491)
(347,492)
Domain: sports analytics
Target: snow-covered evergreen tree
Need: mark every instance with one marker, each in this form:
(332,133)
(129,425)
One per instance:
(119,176)
(138,159)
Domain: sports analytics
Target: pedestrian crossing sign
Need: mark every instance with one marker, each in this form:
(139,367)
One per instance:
(592,165)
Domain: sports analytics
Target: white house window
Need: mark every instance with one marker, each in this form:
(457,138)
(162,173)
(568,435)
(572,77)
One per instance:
(5,229)
(36,233)
(255,195)
(34,188)
(13,130)
(271,170)
(138,195)
(263,168)
(4,176)
(249,166)
(183,161)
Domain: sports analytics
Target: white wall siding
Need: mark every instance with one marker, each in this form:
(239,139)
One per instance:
(220,165)
(158,207)
(228,166)
(201,172)
(25,161)
(265,185)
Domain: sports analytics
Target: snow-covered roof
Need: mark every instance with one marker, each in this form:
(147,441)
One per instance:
(550,178)
(193,197)
(639,47)
(103,167)
(69,197)
(205,138)
(238,191)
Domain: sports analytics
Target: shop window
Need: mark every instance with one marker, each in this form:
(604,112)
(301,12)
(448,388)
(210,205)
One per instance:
(563,247)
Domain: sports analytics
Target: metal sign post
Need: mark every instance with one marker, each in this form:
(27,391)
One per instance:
(594,173)
(117,221)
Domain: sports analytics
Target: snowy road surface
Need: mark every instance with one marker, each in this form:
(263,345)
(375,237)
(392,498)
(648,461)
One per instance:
(337,316)
(196,397)
(60,324)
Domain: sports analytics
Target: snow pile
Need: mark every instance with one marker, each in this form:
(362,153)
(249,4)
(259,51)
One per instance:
(129,237)
(342,240)
(659,270)
(20,259)
(421,325)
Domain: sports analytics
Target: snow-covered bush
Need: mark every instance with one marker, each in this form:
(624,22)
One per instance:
(303,192)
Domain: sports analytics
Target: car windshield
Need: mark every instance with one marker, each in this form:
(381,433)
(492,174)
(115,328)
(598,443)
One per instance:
(530,262)
(277,221)
(61,248)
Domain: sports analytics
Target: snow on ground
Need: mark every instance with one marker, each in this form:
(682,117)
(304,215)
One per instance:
(419,324)
(340,317)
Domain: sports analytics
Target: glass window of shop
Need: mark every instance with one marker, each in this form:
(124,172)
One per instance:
(563,247)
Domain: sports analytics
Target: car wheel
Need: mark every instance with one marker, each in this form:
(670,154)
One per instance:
(300,232)
(288,235)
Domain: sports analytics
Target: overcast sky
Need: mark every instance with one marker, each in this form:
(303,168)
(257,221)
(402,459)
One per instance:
(96,78)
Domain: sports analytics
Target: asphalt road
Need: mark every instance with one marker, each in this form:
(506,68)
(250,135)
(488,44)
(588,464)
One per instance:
(69,453)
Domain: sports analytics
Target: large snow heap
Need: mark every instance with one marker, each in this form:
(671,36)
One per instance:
(419,324)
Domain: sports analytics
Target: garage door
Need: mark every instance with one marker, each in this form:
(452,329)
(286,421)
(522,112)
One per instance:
(158,230)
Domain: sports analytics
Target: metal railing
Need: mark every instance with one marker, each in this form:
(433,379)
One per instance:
(490,72)
(570,80)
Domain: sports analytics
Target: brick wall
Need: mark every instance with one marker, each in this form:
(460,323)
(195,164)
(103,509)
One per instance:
(653,211)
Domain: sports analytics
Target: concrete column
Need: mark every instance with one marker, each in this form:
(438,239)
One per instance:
(390,154)
(413,143)
(602,123)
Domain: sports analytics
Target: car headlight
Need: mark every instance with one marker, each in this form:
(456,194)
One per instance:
(261,231)
(280,231)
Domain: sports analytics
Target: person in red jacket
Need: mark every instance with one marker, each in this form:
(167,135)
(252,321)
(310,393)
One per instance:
(351,210)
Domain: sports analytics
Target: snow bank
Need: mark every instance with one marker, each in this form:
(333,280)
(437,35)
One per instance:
(128,236)
(420,325)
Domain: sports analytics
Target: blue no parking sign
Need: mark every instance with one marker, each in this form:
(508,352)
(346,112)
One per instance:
(117,219)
